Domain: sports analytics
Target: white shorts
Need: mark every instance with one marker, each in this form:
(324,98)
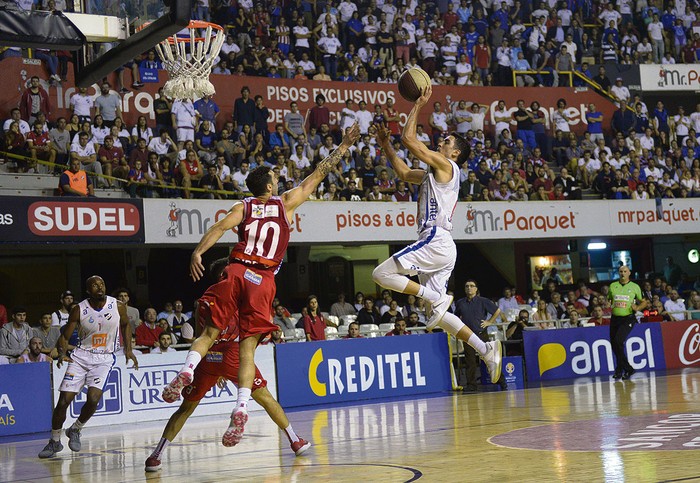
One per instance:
(87,369)
(432,257)
(185,134)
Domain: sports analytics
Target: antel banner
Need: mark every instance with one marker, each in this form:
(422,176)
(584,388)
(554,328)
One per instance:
(586,351)
(70,220)
(681,343)
(670,77)
(134,395)
(279,93)
(185,221)
(332,372)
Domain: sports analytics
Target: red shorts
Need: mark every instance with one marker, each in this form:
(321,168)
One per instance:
(220,361)
(241,301)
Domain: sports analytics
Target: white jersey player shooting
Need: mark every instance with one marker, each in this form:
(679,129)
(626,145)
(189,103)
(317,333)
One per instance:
(433,256)
(100,320)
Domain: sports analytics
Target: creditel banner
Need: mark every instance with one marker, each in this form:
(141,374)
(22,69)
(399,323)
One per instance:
(70,220)
(25,398)
(681,343)
(279,93)
(586,351)
(134,395)
(185,221)
(345,370)
(670,77)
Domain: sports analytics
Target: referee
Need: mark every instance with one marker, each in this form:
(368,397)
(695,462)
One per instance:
(477,313)
(623,296)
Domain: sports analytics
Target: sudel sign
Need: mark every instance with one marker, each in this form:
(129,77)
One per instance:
(83,218)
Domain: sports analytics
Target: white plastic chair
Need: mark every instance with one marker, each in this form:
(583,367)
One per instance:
(299,335)
(347,319)
(342,330)
(331,333)
(297,315)
(334,319)
(386,327)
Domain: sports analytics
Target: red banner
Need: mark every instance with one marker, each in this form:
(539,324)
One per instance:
(681,343)
(279,93)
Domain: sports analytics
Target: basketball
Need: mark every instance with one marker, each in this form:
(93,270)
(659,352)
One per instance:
(412,82)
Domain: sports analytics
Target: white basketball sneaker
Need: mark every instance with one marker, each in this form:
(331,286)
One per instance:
(493,359)
(439,310)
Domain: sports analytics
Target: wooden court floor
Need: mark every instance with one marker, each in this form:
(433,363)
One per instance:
(643,430)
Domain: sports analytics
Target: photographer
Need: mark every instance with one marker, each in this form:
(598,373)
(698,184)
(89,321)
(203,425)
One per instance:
(515,332)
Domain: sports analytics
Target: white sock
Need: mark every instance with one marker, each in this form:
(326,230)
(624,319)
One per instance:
(191,361)
(56,434)
(478,344)
(293,438)
(78,425)
(162,444)
(243,398)
(428,294)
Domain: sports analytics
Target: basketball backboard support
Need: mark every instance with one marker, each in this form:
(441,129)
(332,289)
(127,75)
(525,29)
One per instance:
(166,20)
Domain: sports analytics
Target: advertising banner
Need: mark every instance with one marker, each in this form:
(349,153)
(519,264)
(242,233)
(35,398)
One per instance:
(338,371)
(279,93)
(134,395)
(586,351)
(70,220)
(25,398)
(670,77)
(681,343)
(185,221)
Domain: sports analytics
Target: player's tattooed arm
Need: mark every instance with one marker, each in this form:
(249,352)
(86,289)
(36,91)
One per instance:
(295,197)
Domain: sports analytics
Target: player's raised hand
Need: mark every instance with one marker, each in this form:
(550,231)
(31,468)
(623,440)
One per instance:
(383,134)
(352,134)
(196,267)
(423,99)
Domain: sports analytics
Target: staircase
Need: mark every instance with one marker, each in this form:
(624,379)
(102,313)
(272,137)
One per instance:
(25,184)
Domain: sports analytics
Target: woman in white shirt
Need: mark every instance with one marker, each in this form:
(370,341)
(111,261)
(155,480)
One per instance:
(560,120)
(141,131)
(99,132)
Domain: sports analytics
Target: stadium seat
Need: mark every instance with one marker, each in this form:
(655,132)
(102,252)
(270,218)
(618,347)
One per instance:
(369,330)
(299,335)
(331,333)
(334,319)
(347,319)
(342,330)
(383,328)
(297,315)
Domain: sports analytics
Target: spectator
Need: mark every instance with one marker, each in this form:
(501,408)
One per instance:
(515,332)
(353,331)
(399,327)
(15,336)
(59,318)
(108,105)
(320,114)
(675,306)
(75,182)
(341,307)
(48,335)
(124,297)
(314,322)
(177,318)
(35,353)
(284,322)
(33,101)
(148,332)
(184,119)
(508,301)
(368,314)
(163,344)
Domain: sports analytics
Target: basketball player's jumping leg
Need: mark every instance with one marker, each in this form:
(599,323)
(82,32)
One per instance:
(198,349)
(391,275)
(246,374)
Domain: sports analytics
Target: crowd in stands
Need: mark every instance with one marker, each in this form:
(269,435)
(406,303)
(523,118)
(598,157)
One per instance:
(189,151)
(673,296)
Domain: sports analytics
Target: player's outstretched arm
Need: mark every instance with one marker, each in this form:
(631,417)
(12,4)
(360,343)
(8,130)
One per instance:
(295,197)
(434,159)
(233,218)
(125,327)
(62,343)
(413,176)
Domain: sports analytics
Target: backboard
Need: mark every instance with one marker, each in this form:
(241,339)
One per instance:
(104,55)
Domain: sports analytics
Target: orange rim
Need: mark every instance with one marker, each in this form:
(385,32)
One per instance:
(194,24)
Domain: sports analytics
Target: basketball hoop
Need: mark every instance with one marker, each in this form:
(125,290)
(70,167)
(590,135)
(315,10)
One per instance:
(189,78)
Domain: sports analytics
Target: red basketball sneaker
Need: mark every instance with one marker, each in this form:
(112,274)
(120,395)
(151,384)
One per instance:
(172,391)
(300,447)
(234,433)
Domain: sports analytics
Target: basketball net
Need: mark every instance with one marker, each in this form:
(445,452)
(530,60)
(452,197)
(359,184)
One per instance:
(189,78)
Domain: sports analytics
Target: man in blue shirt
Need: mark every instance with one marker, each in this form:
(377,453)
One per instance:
(595,123)
(208,111)
(477,313)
